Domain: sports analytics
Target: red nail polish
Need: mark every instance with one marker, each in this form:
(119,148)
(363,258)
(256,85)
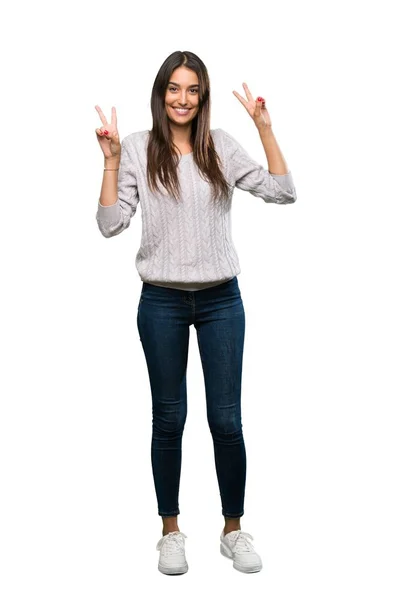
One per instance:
(106,132)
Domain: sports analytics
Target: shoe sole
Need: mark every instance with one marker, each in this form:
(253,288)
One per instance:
(250,569)
(173,570)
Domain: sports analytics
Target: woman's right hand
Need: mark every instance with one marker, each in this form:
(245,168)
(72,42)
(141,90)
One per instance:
(109,142)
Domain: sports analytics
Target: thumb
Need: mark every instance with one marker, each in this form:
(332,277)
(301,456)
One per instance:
(112,136)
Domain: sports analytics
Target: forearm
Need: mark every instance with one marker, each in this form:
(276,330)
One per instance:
(276,163)
(109,187)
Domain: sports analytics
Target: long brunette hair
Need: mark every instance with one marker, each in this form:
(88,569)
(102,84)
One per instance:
(162,158)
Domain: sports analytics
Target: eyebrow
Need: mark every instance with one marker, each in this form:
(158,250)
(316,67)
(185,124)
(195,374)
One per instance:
(177,84)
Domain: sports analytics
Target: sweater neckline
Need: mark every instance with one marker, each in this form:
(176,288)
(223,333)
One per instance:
(184,156)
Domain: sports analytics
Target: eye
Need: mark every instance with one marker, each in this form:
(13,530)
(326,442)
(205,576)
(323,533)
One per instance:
(172,89)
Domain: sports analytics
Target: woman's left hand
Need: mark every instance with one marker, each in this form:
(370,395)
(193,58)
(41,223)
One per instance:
(255,109)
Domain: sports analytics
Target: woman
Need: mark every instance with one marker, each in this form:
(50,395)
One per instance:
(184,175)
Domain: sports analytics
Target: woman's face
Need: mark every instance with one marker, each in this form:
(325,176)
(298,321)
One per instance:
(182,92)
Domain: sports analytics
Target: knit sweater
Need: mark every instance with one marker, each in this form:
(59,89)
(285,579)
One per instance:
(187,244)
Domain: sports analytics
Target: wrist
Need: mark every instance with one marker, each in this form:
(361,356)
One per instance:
(265,129)
(111,163)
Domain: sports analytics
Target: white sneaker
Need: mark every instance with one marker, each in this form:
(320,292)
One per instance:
(172,559)
(236,545)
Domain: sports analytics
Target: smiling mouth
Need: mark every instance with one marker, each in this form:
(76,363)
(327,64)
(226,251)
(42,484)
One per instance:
(181,111)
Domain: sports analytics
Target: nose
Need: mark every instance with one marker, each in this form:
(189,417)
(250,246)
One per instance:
(183,98)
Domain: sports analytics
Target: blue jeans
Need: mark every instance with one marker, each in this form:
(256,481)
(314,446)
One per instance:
(163,318)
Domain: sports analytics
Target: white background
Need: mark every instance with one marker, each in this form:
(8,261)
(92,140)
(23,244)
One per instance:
(319,283)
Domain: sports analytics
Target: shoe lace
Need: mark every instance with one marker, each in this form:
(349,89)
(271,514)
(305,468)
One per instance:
(241,542)
(172,543)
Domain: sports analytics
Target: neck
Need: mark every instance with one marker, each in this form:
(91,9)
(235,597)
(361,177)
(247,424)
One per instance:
(181,133)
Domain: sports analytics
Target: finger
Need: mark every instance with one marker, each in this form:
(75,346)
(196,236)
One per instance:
(261,99)
(239,97)
(248,93)
(114,117)
(101,115)
(111,135)
(99,132)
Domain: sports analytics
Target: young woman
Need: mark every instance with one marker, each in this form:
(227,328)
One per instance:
(184,174)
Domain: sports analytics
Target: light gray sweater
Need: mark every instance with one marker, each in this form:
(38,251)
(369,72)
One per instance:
(187,244)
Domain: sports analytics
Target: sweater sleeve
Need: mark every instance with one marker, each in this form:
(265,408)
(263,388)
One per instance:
(252,177)
(113,219)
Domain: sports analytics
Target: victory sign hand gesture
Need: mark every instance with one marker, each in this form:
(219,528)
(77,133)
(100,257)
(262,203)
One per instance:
(255,108)
(108,136)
